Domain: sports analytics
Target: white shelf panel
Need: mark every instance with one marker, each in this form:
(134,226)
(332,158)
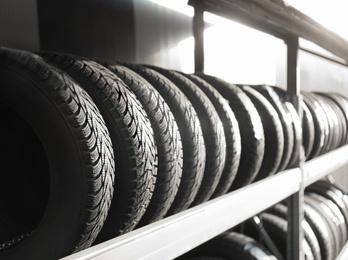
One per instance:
(319,167)
(175,235)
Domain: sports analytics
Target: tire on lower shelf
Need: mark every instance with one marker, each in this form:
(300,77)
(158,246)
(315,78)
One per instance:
(321,231)
(232,245)
(132,139)
(58,182)
(276,227)
(251,130)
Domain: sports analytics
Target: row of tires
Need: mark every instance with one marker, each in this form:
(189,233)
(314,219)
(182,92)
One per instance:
(93,149)
(325,229)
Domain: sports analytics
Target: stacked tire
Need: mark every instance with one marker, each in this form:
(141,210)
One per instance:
(325,223)
(230,245)
(100,148)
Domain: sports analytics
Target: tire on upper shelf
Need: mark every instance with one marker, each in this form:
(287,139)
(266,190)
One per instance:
(342,103)
(285,118)
(251,130)
(331,118)
(132,139)
(308,129)
(58,153)
(213,133)
(273,130)
(167,138)
(296,125)
(320,129)
(340,124)
(191,135)
(231,130)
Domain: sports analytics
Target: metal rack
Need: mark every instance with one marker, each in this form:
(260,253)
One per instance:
(175,235)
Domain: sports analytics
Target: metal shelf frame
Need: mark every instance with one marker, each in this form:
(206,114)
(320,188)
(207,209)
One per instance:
(177,234)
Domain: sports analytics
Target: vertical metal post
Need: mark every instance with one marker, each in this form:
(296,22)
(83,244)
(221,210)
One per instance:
(295,202)
(198,34)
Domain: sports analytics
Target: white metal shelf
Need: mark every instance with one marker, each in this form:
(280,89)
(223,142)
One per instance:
(317,168)
(175,235)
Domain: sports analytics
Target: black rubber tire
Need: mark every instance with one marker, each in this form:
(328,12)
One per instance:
(272,96)
(321,230)
(132,139)
(296,125)
(342,103)
(251,130)
(330,117)
(232,245)
(334,216)
(273,130)
(167,138)
(62,194)
(276,228)
(320,129)
(213,133)
(232,134)
(326,190)
(191,135)
(308,130)
(341,124)
(281,211)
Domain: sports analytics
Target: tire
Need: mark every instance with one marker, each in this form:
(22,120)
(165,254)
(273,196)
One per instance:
(342,103)
(62,170)
(274,137)
(232,245)
(340,124)
(167,138)
(251,129)
(232,134)
(321,230)
(333,215)
(326,190)
(132,139)
(320,128)
(296,125)
(308,131)
(331,120)
(276,227)
(281,211)
(270,94)
(213,133)
(191,134)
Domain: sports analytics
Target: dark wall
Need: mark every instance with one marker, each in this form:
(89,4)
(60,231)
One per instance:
(91,28)
(19,24)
